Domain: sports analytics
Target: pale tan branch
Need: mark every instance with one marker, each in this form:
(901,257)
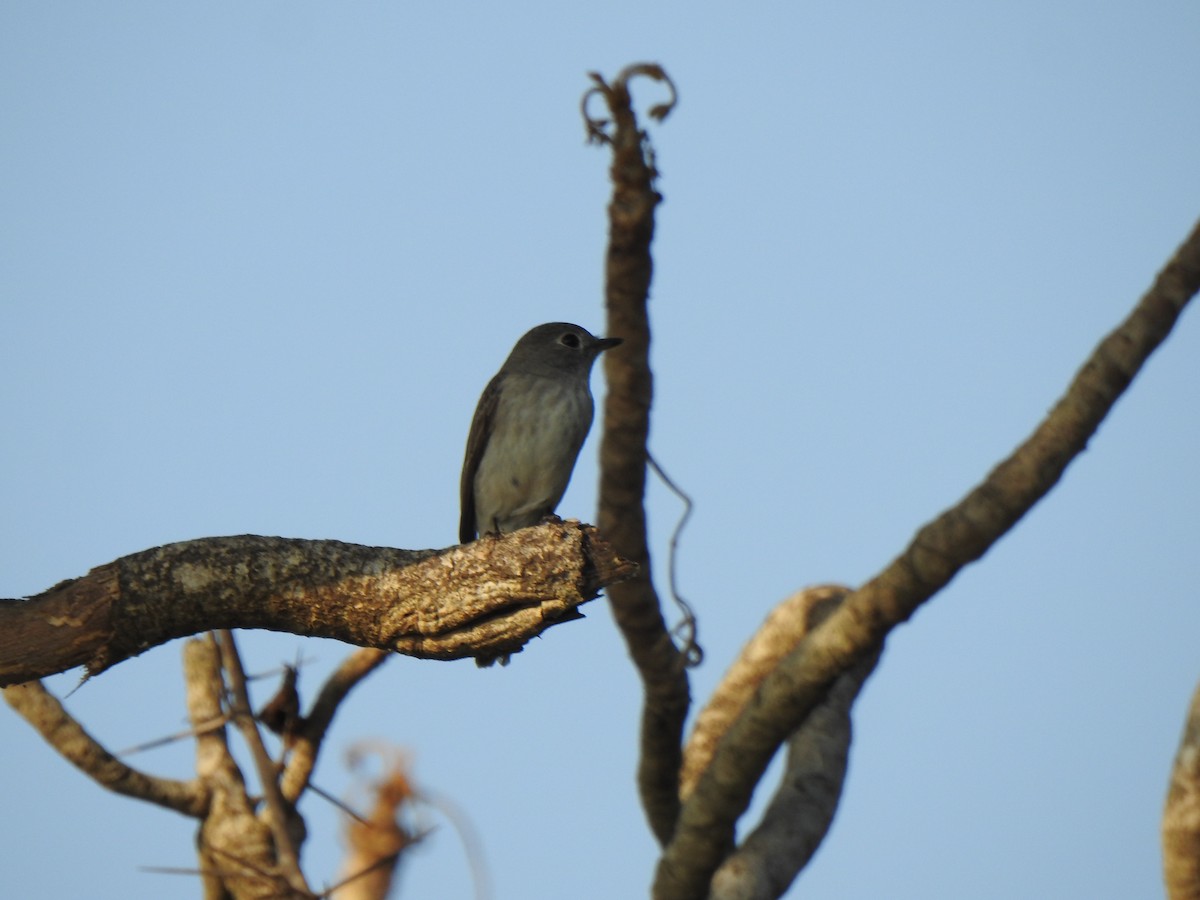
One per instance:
(477,600)
(43,711)
(801,811)
(1181,815)
(956,538)
(376,841)
(779,634)
(807,796)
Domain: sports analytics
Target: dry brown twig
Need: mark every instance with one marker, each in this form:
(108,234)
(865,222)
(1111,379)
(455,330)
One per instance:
(308,739)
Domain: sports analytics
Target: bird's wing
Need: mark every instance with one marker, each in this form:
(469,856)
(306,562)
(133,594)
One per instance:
(481,428)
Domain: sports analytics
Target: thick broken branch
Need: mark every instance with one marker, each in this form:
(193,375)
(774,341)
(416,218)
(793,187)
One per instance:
(956,538)
(477,600)
(623,448)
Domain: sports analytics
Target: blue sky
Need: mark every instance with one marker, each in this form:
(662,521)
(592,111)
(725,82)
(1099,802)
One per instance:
(258,260)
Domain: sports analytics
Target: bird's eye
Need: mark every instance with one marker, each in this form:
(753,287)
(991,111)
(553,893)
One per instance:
(570,339)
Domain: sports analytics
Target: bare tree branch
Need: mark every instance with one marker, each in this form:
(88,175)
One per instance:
(278,814)
(623,448)
(808,793)
(43,711)
(806,799)
(478,600)
(956,538)
(375,842)
(779,634)
(307,740)
(802,808)
(1181,816)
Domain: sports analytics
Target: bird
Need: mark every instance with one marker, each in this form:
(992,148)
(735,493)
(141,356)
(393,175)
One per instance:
(528,428)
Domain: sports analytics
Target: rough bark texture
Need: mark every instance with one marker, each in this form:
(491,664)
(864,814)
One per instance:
(1181,816)
(956,538)
(622,515)
(479,600)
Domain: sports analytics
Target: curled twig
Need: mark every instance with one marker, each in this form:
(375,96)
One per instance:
(687,630)
(597,128)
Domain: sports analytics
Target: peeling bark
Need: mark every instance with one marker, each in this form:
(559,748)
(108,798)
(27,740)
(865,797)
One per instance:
(479,600)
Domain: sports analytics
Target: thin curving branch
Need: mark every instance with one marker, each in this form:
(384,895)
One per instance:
(478,600)
(940,549)
(44,712)
(623,454)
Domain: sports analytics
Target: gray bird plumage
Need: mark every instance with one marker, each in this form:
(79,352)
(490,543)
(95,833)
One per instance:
(529,425)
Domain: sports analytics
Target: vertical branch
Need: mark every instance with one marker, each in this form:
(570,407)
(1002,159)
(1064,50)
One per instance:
(237,856)
(279,815)
(623,453)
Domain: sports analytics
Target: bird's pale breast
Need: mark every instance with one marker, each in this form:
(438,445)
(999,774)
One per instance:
(531,451)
